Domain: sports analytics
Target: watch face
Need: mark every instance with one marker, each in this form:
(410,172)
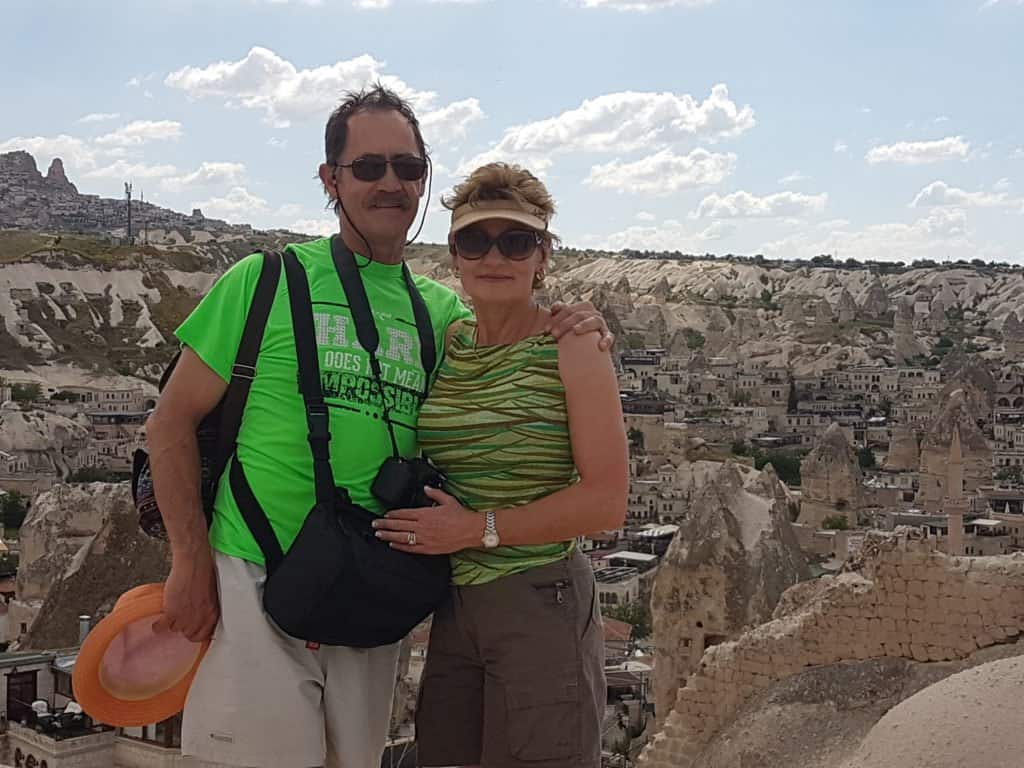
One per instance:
(490,540)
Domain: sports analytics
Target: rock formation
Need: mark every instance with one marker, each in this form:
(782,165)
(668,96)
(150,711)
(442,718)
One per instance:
(847,307)
(793,311)
(29,200)
(905,345)
(49,442)
(724,570)
(81,548)
(823,315)
(978,711)
(831,480)
(937,320)
(957,413)
(876,301)
(1013,337)
(904,452)
(834,643)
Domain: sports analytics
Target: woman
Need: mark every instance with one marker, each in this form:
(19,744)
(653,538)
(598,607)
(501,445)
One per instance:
(529,433)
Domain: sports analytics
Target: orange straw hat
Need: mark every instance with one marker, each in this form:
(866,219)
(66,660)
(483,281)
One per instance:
(127,674)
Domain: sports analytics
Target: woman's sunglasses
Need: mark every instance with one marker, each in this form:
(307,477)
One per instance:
(373,167)
(515,244)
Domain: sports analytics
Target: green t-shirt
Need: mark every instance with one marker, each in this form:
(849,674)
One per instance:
(272,441)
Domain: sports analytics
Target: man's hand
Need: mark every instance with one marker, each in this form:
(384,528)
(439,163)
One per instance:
(579,318)
(191,606)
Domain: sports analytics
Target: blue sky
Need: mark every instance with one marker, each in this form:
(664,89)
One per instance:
(867,129)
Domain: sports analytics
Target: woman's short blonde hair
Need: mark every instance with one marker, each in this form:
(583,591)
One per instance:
(503,181)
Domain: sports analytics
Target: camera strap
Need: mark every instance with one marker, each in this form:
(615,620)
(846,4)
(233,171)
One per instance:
(366,328)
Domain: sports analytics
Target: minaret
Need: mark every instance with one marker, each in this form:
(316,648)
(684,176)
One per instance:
(955,503)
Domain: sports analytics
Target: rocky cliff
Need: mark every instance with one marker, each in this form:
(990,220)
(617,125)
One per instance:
(724,571)
(81,548)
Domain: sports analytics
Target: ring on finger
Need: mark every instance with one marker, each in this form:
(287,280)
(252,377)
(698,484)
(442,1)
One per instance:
(411,539)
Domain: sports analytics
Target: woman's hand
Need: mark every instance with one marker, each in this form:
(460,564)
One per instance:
(441,530)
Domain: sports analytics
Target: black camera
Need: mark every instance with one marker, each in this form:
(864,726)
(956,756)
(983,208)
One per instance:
(399,482)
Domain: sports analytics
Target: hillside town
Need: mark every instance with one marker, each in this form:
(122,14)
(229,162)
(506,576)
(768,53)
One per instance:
(825,484)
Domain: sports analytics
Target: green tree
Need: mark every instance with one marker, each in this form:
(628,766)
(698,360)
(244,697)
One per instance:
(96,475)
(835,523)
(13,508)
(635,613)
(24,393)
(636,438)
(694,339)
(866,458)
(786,464)
(1010,474)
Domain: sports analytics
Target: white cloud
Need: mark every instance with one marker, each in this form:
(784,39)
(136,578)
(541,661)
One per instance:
(663,173)
(371,5)
(277,143)
(919,152)
(645,216)
(265,82)
(98,117)
(643,5)
(938,193)
(865,110)
(942,233)
(121,169)
(741,204)
(670,235)
(941,119)
(76,154)
(140,132)
(1017,154)
(238,206)
(840,147)
(322,227)
(138,80)
(793,178)
(1003,185)
(208,175)
(621,122)
(448,124)
(992,3)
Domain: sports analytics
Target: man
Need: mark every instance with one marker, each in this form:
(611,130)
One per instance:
(261,697)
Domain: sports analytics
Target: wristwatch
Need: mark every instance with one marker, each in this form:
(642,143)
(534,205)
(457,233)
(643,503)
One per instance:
(490,539)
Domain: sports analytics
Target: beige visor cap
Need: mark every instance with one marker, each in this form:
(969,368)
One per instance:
(512,210)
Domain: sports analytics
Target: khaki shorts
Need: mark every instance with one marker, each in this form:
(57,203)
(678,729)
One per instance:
(263,699)
(515,673)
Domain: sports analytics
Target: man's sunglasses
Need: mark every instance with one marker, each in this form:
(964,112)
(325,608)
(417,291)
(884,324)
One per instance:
(515,244)
(373,167)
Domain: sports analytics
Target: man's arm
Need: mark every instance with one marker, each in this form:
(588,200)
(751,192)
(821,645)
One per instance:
(190,595)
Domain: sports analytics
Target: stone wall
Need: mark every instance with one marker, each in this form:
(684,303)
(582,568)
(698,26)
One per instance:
(901,600)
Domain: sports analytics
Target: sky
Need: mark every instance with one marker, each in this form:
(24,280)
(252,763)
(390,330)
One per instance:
(866,129)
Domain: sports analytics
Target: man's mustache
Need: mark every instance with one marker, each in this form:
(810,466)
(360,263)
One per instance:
(391,199)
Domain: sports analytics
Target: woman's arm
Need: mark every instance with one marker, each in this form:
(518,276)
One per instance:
(596,503)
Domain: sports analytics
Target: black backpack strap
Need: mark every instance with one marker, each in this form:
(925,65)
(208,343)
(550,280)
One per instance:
(245,361)
(317,416)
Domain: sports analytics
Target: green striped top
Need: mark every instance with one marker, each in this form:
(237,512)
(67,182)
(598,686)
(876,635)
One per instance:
(496,424)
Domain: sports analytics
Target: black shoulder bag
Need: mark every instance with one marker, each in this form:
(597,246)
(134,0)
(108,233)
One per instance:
(338,584)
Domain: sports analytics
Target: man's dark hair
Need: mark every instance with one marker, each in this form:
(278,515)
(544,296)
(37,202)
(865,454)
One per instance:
(378,97)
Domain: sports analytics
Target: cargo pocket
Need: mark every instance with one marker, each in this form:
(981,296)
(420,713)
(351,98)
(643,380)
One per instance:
(543,720)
